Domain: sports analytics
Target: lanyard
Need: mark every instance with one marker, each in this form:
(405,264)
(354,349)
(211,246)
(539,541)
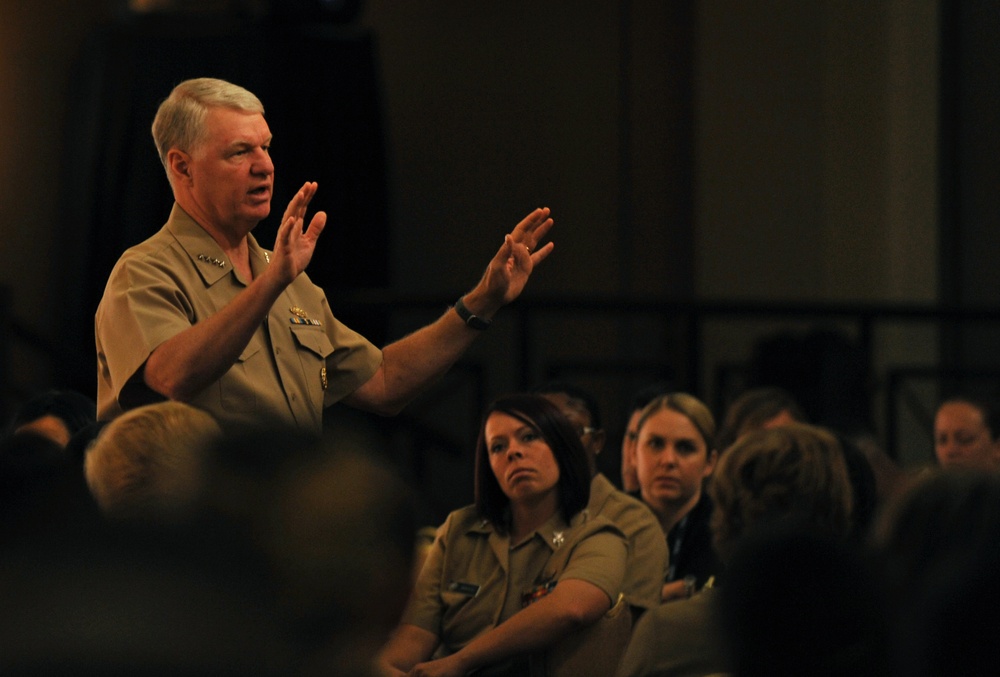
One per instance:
(676,550)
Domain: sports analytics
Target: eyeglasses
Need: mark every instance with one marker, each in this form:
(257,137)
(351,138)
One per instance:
(586,430)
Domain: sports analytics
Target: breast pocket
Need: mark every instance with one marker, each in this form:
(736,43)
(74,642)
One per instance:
(312,340)
(313,347)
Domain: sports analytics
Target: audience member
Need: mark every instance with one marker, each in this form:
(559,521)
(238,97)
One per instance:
(940,541)
(77,446)
(756,409)
(791,478)
(799,601)
(56,414)
(630,479)
(109,600)
(336,525)
(967,433)
(149,462)
(89,596)
(524,568)
(770,406)
(865,499)
(646,568)
(675,455)
(258,552)
(40,487)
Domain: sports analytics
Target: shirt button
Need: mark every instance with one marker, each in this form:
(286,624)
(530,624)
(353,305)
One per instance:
(277,351)
(295,398)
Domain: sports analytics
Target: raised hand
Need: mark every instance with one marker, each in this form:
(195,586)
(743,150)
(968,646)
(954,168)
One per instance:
(293,246)
(508,272)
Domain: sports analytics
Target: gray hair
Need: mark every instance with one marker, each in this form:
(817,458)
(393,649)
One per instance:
(180,120)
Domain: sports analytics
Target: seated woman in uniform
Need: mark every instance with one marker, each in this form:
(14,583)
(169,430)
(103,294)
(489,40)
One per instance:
(675,456)
(523,568)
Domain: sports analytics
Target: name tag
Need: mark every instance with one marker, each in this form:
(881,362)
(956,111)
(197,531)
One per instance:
(470,589)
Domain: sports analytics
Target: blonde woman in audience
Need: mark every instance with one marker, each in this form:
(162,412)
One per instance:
(147,463)
(791,475)
(523,569)
(675,455)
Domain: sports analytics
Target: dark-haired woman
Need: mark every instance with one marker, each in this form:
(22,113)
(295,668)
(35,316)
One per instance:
(524,567)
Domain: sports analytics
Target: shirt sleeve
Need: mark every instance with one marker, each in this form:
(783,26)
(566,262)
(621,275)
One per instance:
(424,609)
(599,559)
(648,558)
(140,310)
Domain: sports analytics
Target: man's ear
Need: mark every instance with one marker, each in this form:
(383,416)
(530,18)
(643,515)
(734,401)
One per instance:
(179,164)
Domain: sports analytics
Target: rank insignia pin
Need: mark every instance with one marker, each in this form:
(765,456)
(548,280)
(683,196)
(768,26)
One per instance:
(211,259)
(557,538)
(322,378)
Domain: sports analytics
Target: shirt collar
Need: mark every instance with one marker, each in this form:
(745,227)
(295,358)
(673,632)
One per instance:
(553,532)
(205,253)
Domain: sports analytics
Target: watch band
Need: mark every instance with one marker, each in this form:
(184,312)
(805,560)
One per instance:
(470,320)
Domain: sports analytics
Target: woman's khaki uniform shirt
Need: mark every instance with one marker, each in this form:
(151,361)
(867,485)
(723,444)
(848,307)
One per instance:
(648,555)
(473,579)
(300,360)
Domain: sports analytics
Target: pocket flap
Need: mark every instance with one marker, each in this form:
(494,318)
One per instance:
(313,339)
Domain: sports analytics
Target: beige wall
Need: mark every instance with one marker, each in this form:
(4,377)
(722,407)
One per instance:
(816,150)
(816,163)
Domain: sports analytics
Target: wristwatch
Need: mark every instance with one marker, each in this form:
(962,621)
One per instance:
(471,320)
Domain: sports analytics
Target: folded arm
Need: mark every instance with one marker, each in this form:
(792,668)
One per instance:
(573,604)
(408,646)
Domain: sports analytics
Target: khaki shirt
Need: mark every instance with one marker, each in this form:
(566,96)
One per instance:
(648,555)
(680,638)
(473,580)
(299,360)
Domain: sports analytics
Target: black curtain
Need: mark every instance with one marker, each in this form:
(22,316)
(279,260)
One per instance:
(321,92)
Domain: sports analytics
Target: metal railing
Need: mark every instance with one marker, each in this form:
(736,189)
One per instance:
(529,359)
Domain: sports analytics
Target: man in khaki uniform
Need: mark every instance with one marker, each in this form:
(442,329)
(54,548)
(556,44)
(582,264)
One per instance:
(201,313)
(648,554)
